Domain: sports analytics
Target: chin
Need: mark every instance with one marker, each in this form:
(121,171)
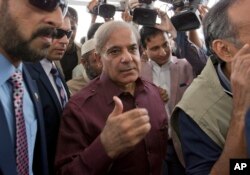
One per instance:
(130,79)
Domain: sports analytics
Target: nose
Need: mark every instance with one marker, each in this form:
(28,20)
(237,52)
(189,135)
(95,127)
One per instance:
(126,56)
(64,40)
(55,18)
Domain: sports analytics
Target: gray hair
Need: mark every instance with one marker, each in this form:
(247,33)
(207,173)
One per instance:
(217,25)
(103,33)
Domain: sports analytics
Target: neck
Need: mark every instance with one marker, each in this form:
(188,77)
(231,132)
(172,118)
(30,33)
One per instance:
(129,88)
(226,68)
(13,60)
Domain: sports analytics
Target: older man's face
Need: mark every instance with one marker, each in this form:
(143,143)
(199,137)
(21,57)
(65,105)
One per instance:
(121,59)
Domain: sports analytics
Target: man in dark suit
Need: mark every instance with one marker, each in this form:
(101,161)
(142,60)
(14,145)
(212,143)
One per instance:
(51,99)
(72,56)
(26,30)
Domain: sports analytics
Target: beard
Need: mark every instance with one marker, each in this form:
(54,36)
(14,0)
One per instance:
(14,44)
(92,72)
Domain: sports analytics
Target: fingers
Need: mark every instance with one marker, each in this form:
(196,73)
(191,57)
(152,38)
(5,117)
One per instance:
(163,94)
(240,81)
(118,107)
(240,56)
(124,130)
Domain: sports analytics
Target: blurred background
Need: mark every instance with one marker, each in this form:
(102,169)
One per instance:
(85,17)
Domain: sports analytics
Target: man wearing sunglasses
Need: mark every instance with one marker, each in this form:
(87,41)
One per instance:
(26,30)
(51,94)
(72,56)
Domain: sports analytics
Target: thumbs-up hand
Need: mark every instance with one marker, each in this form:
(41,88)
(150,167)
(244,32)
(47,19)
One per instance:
(124,130)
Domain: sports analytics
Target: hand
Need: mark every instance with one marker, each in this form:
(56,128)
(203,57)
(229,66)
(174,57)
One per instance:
(166,24)
(124,130)
(240,80)
(126,16)
(203,11)
(91,5)
(163,94)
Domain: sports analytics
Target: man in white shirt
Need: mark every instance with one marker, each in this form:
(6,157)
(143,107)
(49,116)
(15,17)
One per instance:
(171,74)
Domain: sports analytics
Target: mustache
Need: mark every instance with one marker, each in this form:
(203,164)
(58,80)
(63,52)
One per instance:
(46,31)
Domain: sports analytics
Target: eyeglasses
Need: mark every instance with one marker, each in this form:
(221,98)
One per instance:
(50,5)
(61,33)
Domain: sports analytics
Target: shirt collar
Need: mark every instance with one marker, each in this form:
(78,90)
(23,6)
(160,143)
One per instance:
(47,65)
(7,69)
(111,89)
(224,80)
(164,66)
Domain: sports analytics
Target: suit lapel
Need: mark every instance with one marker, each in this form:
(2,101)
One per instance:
(40,154)
(46,82)
(174,78)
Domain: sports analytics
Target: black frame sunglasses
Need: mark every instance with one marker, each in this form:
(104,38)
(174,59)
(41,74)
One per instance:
(61,33)
(50,5)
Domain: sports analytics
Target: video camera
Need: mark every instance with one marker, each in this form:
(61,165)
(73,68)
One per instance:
(103,9)
(145,14)
(186,14)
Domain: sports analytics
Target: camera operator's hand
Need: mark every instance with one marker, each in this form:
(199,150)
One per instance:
(166,24)
(203,10)
(91,5)
(126,16)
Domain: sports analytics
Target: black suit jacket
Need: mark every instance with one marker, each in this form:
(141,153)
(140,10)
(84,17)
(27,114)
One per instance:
(51,108)
(7,149)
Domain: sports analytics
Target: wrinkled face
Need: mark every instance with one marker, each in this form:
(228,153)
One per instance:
(59,46)
(158,48)
(93,66)
(25,30)
(120,57)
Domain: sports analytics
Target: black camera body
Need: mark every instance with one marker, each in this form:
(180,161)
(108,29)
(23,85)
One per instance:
(104,10)
(186,14)
(145,14)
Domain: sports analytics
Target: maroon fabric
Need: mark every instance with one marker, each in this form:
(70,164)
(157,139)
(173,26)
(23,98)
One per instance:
(79,147)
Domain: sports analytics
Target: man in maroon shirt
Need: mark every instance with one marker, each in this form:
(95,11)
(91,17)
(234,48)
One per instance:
(117,125)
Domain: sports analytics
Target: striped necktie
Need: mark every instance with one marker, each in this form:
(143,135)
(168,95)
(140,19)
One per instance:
(59,85)
(22,158)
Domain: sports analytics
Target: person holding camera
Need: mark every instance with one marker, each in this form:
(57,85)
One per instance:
(171,74)
(209,121)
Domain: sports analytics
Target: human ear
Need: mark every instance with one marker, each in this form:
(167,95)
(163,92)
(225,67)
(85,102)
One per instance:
(224,49)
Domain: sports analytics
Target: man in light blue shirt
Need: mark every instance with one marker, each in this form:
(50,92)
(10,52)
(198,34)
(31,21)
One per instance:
(26,32)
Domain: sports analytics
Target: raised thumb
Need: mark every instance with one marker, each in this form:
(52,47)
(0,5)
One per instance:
(118,106)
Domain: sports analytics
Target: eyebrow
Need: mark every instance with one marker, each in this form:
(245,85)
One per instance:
(119,47)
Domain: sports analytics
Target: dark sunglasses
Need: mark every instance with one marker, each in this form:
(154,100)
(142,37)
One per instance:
(61,33)
(50,5)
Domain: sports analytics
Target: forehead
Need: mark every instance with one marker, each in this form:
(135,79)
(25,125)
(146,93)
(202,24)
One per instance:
(238,14)
(121,37)
(157,39)
(66,24)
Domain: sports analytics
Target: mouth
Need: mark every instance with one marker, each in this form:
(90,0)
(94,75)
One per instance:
(127,70)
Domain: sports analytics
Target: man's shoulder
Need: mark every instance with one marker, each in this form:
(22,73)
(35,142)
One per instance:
(85,93)
(180,62)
